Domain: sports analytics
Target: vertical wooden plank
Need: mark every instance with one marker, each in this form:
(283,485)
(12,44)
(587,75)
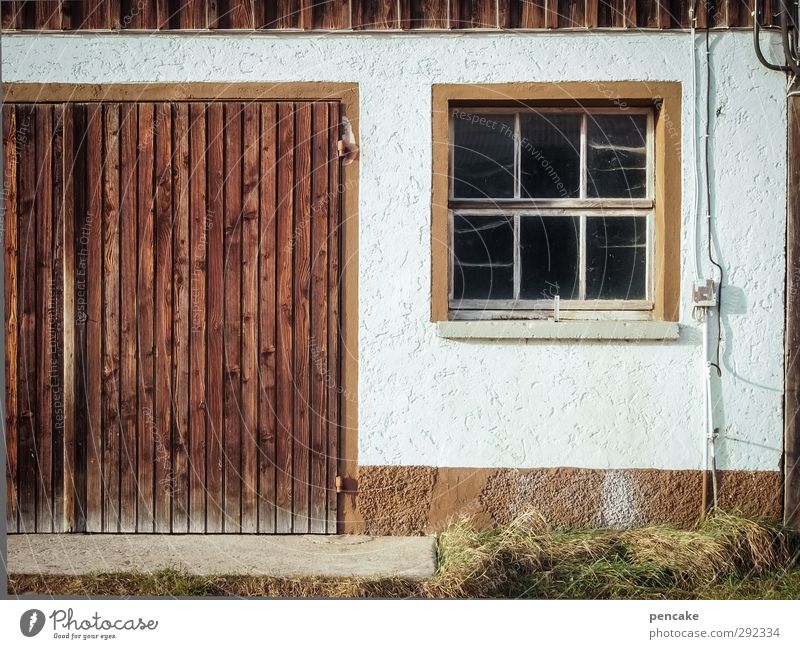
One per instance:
(376,14)
(233,300)
(302,324)
(791,457)
(48,14)
(88,134)
(571,13)
(473,14)
(284,14)
(115,404)
(26,360)
(91,14)
(126,293)
(139,14)
(285,379)
(198,236)
(266,320)
(236,14)
(331,14)
(647,13)
(188,14)
(180,320)
(145,293)
(630,16)
(10,219)
(71,468)
(551,14)
(115,17)
(250,182)
(44,314)
(321,199)
(527,14)
(164,482)
(592,14)
(56,334)
(215,294)
(334,369)
(427,14)
(10,14)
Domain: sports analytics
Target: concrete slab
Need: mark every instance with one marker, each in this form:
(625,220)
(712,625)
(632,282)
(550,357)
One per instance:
(276,556)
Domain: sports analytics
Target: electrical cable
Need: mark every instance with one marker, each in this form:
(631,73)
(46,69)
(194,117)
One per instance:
(707,165)
(757,43)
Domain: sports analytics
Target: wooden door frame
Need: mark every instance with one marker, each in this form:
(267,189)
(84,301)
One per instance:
(347,95)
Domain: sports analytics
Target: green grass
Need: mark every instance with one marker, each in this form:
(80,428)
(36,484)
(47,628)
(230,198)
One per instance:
(725,557)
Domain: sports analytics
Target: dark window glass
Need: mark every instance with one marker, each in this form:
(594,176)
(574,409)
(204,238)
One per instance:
(483,249)
(483,155)
(550,148)
(616,258)
(549,257)
(616,156)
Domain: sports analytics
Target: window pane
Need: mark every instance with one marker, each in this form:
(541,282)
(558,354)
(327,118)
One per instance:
(550,155)
(549,257)
(483,249)
(616,258)
(483,155)
(617,156)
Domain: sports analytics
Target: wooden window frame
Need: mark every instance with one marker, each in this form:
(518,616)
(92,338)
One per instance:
(661,99)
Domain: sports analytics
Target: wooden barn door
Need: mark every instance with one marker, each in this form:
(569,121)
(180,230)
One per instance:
(172,275)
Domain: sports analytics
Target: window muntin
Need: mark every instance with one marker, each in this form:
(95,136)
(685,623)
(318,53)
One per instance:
(579,224)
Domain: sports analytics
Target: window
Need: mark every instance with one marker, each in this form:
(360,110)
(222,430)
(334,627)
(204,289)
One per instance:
(551,202)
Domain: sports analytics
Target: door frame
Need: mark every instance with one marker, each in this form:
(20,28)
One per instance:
(347,95)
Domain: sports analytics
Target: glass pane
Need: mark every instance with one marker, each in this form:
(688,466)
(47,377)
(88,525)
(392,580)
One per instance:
(483,249)
(616,156)
(616,258)
(550,155)
(549,257)
(483,155)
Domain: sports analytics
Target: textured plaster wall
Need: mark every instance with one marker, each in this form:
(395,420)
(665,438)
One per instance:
(429,401)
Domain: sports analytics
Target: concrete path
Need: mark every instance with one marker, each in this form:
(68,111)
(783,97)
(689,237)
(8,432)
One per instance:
(277,556)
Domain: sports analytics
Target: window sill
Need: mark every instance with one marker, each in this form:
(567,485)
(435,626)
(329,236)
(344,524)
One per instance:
(565,330)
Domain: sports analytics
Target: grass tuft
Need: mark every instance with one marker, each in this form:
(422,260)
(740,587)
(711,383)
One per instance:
(726,556)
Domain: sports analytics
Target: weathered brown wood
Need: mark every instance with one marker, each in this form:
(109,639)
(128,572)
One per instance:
(164,397)
(232,432)
(791,492)
(250,186)
(215,318)
(90,246)
(302,319)
(115,210)
(426,14)
(188,14)
(331,14)
(26,360)
(473,14)
(198,234)
(267,318)
(592,16)
(147,416)
(180,319)
(285,321)
(571,13)
(320,204)
(48,14)
(56,333)
(334,281)
(72,469)
(527,14)
(10,15)
(235,14)
(44,266)
(10,218)
(124,192)
(376,14)
(551,14)
(138,14)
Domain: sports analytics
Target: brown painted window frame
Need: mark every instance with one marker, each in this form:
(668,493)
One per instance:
(665,100)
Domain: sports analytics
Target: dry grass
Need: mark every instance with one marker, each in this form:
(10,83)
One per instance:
(725,557)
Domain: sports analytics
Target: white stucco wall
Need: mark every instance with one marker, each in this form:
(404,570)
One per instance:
(427,400)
